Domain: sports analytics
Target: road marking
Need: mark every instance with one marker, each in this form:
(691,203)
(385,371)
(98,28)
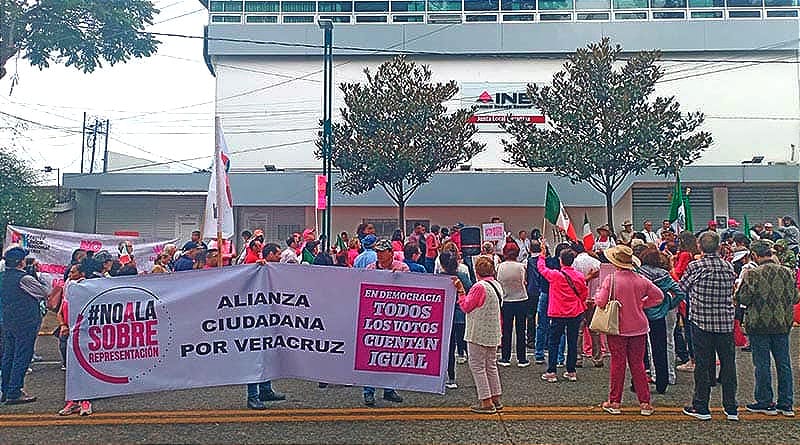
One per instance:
(517,414)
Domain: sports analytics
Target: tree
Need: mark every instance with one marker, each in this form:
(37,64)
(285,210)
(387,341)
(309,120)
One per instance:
(396,132)
(602,124)
(22,201)
(80,33)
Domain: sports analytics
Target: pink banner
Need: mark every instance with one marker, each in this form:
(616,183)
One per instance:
(322,188)
(400,329)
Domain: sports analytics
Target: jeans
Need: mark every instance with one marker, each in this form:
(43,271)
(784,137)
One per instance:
(18,342)
(530,321)
(371,391)
(543,330)
(627,351)
(778,346)
(430,263)
(62,348)
(255,389)
(658,346)
(456,335)
(708,346)
(513,313)
(558,328)
(483,365)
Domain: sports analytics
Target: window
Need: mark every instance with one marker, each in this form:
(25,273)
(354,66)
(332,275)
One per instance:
(481,5)
(384,228)
(594,16)
(630,4)
(630,16)
(372,6)
(262,19)
(335,6)
(298,7)
(669,15)
(776,14)
(298,19)
(371,19)
(554,17)
(408,18)
(548,5)
(744,3)
(408,6)
(226,19)
(706,14)
(519,17)
(337,18)
(444,5)
(482,18)
(706,3)
(592,4)
(769,3)
(667,3)
(518,5)
(444,19)
(226,6)
(744,14)
(262,6)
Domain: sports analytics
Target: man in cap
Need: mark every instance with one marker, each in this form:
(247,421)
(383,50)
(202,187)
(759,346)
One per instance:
(770,233)
(455,234)
(710,227)
(368,256)
(21,320)
(650,237)
(769,292)
(626,235)
(186,261)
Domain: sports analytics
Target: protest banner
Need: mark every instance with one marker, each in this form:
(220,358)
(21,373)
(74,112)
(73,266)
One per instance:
(494,232)
(53,249)
(252,323)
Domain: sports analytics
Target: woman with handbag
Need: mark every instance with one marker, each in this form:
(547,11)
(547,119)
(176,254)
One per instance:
(629,293)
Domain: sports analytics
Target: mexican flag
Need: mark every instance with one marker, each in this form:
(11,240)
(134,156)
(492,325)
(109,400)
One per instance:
(680,212)
(555,213)
(588,238)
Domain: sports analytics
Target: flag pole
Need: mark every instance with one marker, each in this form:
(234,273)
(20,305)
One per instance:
(217,166)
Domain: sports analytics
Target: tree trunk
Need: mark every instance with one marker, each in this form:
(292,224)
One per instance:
(401,217)
(610,209)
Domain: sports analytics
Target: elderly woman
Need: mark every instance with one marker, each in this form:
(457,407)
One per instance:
(511,276)
(634,293)
(482,308)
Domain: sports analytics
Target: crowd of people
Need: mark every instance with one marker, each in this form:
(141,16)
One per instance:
(684,300)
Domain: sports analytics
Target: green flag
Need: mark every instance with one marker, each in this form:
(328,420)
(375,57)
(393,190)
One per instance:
(340,243)
(677,209)
(687,209)
(746,227)
(552,205)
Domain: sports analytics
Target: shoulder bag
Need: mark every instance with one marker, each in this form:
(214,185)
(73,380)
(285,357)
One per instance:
(606,320)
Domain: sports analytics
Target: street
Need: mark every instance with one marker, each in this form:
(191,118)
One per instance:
(536,412)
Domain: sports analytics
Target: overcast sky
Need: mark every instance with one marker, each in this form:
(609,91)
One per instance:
(138,97)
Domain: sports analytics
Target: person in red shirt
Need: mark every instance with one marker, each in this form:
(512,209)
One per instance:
(432,245)
(254,247)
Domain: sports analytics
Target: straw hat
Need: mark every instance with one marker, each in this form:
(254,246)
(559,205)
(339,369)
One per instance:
(622,257)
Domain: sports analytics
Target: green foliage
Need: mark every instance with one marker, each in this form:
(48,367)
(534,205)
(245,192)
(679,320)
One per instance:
(80,33)
(22,202)
(396,131)
(603,125)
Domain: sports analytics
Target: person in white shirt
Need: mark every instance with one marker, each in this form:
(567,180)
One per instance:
(524,245)
(289,255)
(589,266)
(649,235)
(603,240)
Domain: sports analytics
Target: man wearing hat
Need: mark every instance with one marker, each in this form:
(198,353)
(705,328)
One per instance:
(368,256)
(604,240)
(770,233)
(21,320)
(186,261)
(626,235)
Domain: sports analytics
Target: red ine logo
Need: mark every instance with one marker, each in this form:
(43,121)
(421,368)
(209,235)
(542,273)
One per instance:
(485,97)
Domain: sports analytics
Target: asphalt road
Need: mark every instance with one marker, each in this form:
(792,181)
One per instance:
(536,412)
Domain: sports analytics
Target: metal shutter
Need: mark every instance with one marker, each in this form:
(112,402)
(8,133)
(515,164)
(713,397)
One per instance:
(762,203)
(127,213)
(653,203)
(276,222)
(170,208)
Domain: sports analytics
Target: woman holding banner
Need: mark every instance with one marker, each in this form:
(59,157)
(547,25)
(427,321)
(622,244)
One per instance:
(482,308)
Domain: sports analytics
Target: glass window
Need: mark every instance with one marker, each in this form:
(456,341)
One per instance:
(554,17)
(262,6)
(594,16)
(298,7)
(335,6)
(769,3)
(444,19)
(744,3)
(669,15)
(744,14)
(630,16)
(518,5)
(706,14)
(226,19)
(337,18)
(790,13)
(408,6)
(408,18)
(482,18)
(372,6)
(549,5)
(371,19)
(592,4)
(481,5)
(298,19)
(706,3)
(226,6)
(519,17)
(630,4)
(667,3)
(444,5)
(262,19)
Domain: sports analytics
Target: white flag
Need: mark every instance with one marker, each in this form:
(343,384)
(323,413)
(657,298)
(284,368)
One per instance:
(219,203)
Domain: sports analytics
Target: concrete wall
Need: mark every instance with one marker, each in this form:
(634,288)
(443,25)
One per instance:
(86,211)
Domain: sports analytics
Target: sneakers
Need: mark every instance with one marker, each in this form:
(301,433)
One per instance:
(524,364)
(70,408)
(696,413)
(769,410)
(611,408)
(550,377)
(503,363)
(785,411)
(255,403)
(686,367)
(646,409)
(461,359)
(86,408)
(479,409)
(733,416)
(539,361)
(393,396)
(24,398)
(271,396)
(369,399)
(450,384)
(322,385)
(571,376)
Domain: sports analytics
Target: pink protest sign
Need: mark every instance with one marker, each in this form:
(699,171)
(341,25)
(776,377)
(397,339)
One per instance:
(322,188)
(494,232)
(400,329)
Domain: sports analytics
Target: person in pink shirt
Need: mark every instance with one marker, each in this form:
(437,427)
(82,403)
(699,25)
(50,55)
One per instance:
(635,293)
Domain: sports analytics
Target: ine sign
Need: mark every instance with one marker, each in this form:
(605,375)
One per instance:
(499,102)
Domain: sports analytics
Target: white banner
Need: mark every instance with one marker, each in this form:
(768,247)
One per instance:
(252,323)
(54,249)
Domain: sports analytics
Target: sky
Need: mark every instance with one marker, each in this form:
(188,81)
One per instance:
(139,98)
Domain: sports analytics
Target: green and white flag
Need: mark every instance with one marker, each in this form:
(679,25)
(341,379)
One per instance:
(680,212)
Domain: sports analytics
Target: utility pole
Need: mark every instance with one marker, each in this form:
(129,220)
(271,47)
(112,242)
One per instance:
(83,141)
(327,132)
(94,144)
(90,133)
(105,155)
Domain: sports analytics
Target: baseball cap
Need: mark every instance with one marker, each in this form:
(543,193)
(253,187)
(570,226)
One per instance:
(212,245)
(369,241)
(733,223)
(383,245)
(768,225)
(627,222)
(189,246)
(15,254)
(103,256)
